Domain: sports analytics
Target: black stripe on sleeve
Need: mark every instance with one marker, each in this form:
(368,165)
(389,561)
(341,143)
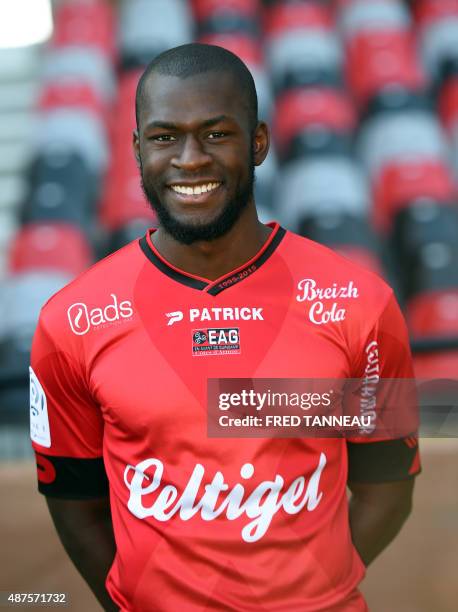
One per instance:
(70,478)
(384,461)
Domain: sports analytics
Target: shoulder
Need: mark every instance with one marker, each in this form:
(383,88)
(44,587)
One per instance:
(109,280)
(314,265)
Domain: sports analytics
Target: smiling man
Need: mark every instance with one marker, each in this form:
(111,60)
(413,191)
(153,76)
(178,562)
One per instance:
(155,513)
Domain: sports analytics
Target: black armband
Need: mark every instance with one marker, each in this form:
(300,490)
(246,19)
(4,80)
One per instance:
(384,461)
(71,478)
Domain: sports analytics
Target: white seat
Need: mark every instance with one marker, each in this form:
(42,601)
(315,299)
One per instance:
(264,91)
(82,64)
(364,16)
(22,297)
(146,25)
(327,185)
(13,189)
(439,42)
(14,156)
(311,48)
(75,131)
(19,64)
(402,135)
(18,95)
(16,126)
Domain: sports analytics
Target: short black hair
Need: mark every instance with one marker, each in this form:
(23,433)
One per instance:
(196,58)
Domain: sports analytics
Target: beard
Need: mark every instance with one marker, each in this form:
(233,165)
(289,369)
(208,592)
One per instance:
(187,233)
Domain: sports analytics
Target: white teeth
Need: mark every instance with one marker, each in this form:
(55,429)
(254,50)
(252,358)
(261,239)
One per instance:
(197,190)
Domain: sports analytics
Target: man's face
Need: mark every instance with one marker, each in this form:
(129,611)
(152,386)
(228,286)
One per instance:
(197,153)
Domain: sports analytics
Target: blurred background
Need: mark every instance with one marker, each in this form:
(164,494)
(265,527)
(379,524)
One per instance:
(362,99)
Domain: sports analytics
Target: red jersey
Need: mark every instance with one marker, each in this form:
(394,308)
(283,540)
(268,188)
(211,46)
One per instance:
(118,403)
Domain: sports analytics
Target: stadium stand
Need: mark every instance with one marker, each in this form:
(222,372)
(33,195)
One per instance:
(363,102)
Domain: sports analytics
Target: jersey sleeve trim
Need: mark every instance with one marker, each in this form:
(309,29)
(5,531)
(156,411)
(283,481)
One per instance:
(383,461)
(71,478)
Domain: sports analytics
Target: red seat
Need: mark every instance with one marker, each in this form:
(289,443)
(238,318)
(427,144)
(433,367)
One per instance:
(86,23)
(245,47)
(283,17)
(436,365)
(375,60)
(123,199)
(448,103)
(428,11)
(400,183)
(300,108)
(204,9)
(50,246)
(432,315)
(71,94)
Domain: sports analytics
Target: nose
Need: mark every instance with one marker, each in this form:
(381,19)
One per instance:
(192,156)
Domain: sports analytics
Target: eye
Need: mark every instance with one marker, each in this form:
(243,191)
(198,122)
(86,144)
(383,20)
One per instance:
(215,135)
(163,138)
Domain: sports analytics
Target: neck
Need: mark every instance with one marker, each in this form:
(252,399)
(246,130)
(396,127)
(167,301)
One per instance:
(213,259)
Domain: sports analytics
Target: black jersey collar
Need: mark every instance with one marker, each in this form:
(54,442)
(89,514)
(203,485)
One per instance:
(223,282)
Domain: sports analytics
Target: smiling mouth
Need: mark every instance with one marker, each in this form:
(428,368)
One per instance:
(195,190)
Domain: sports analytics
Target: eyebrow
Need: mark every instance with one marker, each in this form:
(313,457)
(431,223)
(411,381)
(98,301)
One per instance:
(166,125)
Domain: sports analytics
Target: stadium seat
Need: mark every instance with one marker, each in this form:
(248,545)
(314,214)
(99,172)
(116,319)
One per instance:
(133,229)
(339,230)
(61,189)
(360,16)
(437,35)
(204,9)
(266,177)
(22,296)
(72,95)
(226,17)
(14,381)
(328,185)
(85,23)
(377,60)
(50,247)
(448,103)
(301,46)
(304,58)
(400,136)
(312,120)
(249,51)
(425,238)
(148,28)
(401,183)
(81,65)
(72,131)
(435,268)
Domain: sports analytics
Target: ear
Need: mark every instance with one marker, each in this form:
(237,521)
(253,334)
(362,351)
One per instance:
(136,146)
(261,143)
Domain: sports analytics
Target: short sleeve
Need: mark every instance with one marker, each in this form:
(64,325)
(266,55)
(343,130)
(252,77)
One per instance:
(384,367)
(66,425)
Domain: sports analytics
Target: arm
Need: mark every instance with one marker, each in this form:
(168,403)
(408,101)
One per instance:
(377,513)
(86,532)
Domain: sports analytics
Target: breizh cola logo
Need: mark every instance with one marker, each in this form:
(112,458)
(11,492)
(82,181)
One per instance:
(82,319)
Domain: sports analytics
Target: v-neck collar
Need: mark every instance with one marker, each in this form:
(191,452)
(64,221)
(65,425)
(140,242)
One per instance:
(213,287)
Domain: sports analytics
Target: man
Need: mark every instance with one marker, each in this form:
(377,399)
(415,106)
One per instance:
(137,489)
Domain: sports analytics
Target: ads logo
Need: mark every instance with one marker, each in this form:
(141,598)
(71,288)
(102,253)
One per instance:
(216,341)
(81,319)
